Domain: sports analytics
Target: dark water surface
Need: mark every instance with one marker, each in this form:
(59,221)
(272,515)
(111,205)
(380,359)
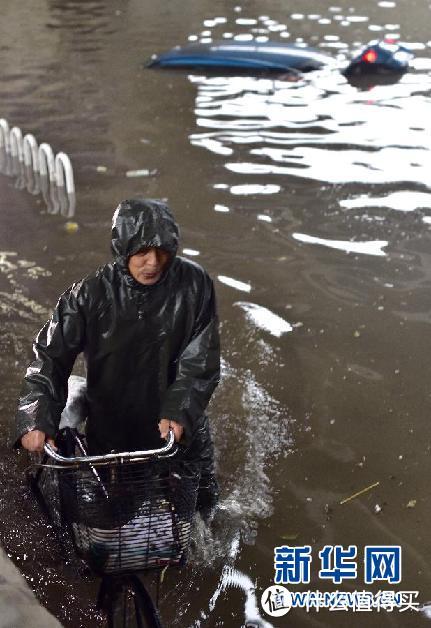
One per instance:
(310,204)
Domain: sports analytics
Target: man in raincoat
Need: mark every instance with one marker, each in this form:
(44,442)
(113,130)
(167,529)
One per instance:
(147,326)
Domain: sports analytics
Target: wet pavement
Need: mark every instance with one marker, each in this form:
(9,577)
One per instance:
(309,204)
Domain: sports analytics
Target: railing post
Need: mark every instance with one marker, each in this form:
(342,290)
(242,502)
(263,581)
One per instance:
(63,165)
(31,163)
(4,135)
(15,141)
(64,171)
(46,162)
(47,178)
(17,155)
(31,151)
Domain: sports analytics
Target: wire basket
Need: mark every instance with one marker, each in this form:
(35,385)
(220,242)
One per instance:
(124,517)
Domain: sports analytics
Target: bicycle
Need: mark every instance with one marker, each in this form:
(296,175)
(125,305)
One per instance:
(125,513)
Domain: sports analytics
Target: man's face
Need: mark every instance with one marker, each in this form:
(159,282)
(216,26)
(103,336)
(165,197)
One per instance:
(147,266)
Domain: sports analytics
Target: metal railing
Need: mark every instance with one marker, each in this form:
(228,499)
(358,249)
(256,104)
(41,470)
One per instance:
(38,169)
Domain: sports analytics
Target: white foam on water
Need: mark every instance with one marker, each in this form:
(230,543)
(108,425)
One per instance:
(233,578)
(426,609)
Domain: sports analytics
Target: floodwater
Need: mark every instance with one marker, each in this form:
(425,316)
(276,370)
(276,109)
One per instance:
(309,203)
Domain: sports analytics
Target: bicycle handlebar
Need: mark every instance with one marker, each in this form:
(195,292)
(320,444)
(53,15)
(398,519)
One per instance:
(125,455)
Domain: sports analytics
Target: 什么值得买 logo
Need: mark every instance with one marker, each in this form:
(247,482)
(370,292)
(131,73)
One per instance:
(276,601)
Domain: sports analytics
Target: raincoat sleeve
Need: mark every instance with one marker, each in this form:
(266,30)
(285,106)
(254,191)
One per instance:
(44,390)
(198,368)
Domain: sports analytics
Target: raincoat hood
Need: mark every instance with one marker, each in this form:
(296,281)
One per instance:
(138,224)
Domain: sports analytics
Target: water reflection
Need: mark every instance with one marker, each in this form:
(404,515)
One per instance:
(234,283)
(334,137)
(191,252)
(271,136)
(13,299)
(264,319)
(221,208)
(405,201)
(363,248)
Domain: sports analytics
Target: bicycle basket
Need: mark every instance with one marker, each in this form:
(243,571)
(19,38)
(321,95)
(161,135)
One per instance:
(129,517)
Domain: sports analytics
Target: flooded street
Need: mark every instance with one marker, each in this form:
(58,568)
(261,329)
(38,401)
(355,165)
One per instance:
(309,204)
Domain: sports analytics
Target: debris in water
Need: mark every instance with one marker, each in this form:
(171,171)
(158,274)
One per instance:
(289,537)
(162,574)
(101,169)
(144,172)
(411,504)
(364,490)
(71,227)
(377,509)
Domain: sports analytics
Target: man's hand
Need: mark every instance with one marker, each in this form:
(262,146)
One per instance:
(166,424)
(35,440)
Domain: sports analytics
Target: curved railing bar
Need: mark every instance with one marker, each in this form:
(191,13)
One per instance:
(4,135)
(46,162)
(64,170)
(15,141)
(47,178)
(31,151)
(66,192)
